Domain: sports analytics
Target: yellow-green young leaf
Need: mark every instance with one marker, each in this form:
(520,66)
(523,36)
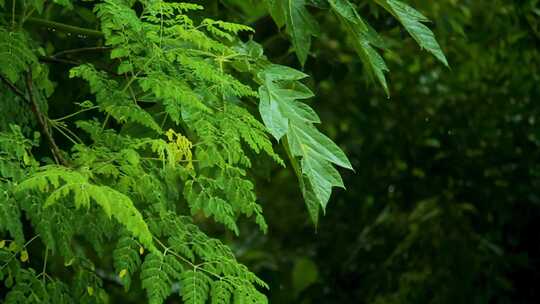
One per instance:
(90,290)
(2,244)
(69,263)
(122,273)
(413,20)
(24,256)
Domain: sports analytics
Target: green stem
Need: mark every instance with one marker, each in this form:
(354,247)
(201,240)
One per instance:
(75,113)
(45,263)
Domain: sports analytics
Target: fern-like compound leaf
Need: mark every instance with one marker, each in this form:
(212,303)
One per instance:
(127,259)
(114,203)
(195,287)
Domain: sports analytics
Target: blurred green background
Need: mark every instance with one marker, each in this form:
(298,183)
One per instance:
(444,204)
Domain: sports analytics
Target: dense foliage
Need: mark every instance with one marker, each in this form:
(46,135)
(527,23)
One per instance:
(126,125)
(157,151)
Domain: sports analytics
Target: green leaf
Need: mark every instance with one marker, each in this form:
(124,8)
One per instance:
(345,9)
(322,176)
(413,20)
(313,203)
(271,115)
(277,101)
(114,203)
(126,258)
(295,110)
(364,38)
(316,173)
(275,9)
(281,72)
(300,26)
(221,292)
(305,140)
(283,114)
(195,287)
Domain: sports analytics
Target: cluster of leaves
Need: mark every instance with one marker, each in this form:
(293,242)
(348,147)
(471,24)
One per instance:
(301,26)
(153,136)
(443,206)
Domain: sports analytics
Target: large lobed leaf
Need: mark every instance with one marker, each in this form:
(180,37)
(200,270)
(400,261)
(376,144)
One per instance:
(284,115)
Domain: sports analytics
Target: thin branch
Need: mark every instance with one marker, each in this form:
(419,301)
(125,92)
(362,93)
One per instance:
(43,121)
(74,114)
(45,263)
(64,27)
(57,60)
(14,88)
(84,49)
(20,250)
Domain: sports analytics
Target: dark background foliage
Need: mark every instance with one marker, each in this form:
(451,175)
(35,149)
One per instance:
(443,205)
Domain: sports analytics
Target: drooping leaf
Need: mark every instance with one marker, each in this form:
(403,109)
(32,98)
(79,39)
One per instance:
(300,26)
(364,40)
(303,136)
(413,21)
(316,152)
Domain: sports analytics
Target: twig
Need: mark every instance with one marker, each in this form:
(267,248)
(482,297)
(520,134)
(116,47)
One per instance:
(84,49)
(43,121)
(15,254)
(58,60)
(45,263)
(13,88)
(64,27)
